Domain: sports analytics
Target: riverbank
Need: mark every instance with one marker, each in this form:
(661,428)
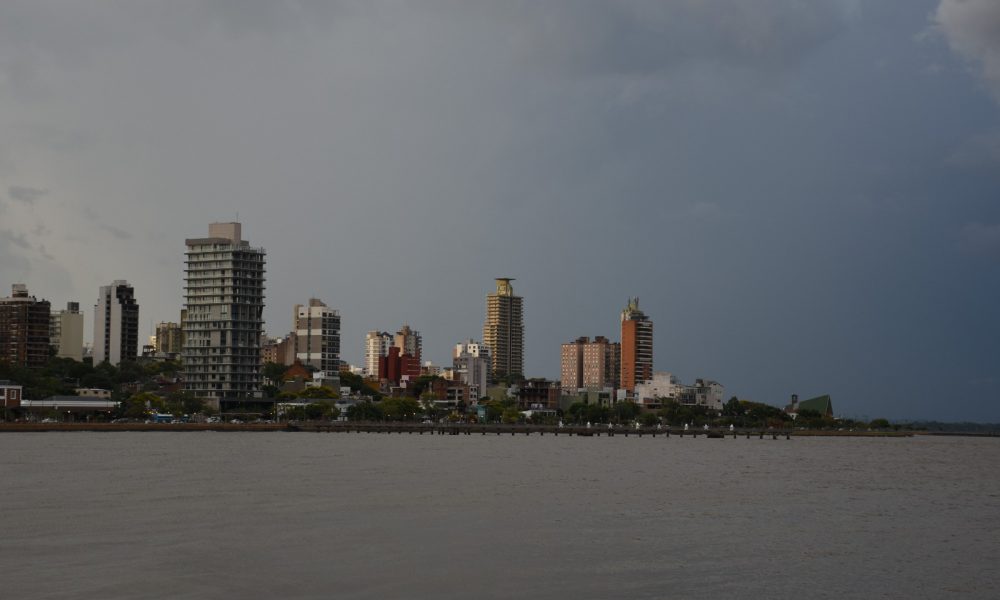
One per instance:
(443,429)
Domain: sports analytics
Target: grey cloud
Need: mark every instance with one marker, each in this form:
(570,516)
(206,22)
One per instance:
(115,231)
(649,36)
(972,28)
(981,150)
(16,239)
(27,195)
(96,218)
(981,238)
(15,265)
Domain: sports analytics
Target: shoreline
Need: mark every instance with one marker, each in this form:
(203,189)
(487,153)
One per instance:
(454,429)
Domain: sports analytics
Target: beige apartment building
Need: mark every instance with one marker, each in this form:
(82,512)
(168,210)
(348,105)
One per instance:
(503,332)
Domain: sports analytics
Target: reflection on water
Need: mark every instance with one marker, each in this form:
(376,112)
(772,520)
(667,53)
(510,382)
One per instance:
(264,515)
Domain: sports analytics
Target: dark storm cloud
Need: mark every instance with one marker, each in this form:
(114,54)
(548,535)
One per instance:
(795,189)
(982,238)
(648,37)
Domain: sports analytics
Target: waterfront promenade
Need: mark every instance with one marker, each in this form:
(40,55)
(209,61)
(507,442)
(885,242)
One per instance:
(410,428)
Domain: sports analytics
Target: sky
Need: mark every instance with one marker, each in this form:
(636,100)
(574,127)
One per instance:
(805,196)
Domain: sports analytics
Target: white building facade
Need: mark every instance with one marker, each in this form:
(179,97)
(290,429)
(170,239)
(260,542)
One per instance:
(116,324)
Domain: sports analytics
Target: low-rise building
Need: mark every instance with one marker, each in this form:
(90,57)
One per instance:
(10,394)
(93,392)
(821,404)
(538,393)
(664,386)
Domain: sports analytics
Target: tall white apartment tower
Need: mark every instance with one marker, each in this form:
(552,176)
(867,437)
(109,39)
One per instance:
(224,300)
(317,336)
(116,324)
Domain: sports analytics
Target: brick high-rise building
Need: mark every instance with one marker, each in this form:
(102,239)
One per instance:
(589,364)
(637,346)
(24,329)
(317,336)
(116,324)
(503,332)
(224,299)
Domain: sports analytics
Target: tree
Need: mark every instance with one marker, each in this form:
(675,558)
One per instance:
(184,403)
(879,424)
(364,411)
(732,408)
(494,411)
(648,419)
(138,406)
(511,415)
(273,371)
(399,409)
(322,392)
(321,410)
(626,411)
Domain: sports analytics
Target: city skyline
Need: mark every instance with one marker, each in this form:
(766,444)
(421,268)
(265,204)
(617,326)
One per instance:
(807,207)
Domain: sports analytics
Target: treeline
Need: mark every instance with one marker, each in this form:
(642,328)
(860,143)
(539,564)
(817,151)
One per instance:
(61,377)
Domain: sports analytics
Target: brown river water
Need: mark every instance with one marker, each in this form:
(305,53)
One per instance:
(303,515)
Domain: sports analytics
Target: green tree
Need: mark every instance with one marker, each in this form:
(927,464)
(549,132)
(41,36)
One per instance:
(626,411)
(732,408)
(321,410)
(648,419)
(511,415)
(879,424)
(322,392)
(273,371)
(494,411)
(364,411)
(399,409)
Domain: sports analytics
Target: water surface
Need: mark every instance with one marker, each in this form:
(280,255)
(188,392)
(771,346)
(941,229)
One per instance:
(294,515)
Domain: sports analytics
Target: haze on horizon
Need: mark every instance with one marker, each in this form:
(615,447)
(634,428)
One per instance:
(805,196)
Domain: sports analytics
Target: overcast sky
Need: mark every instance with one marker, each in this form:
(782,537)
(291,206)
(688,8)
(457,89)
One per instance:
(805,196)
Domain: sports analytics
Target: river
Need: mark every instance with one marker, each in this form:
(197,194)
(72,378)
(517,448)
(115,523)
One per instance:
(294,515)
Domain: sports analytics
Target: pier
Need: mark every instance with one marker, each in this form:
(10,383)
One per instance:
(595,430)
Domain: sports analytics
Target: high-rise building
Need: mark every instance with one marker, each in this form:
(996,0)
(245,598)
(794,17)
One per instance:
(377,344)
(66,332)
(317,336)
(503,332)
(24,329)
(471,363)
(224,299)
(587,364)
(398,366)
(169,338)
(637,346)
(409,342)
(116,324)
